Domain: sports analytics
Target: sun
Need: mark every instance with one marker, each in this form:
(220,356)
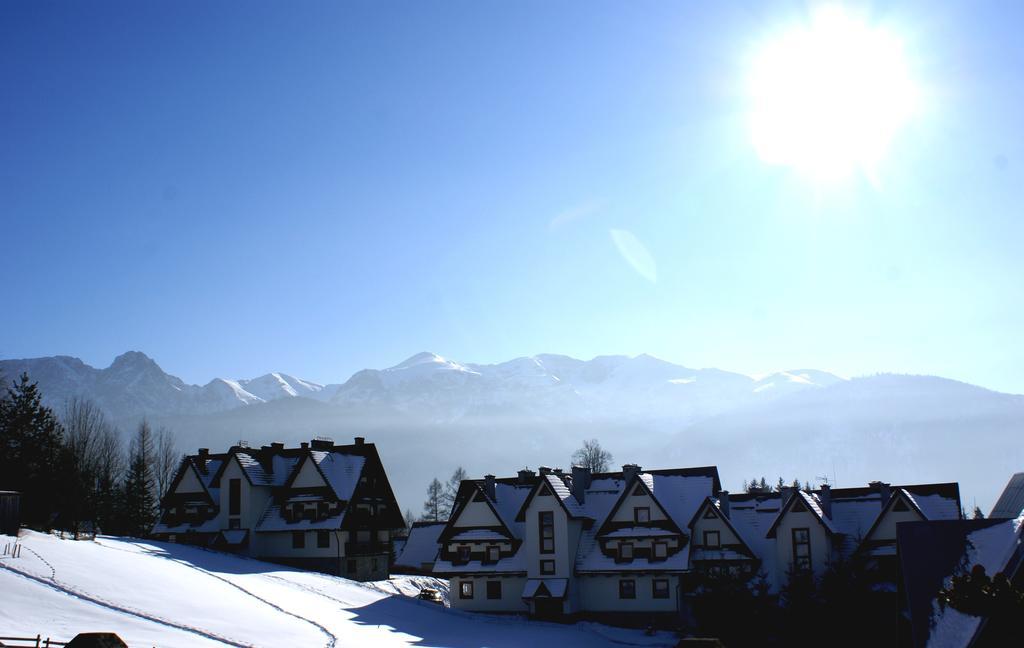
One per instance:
(828,97)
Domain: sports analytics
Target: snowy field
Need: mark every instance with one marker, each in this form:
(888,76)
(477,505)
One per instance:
(167,595)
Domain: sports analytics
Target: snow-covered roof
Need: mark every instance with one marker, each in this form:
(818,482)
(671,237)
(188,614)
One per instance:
(563,493)
(272,520)
(341,470)
(421,546)
(555,587)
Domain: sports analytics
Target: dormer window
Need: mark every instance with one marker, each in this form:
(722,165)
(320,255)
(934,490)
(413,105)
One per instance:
(463,553)
(641,514)
(900,505)
(660,550)
(626,551)
(493,553)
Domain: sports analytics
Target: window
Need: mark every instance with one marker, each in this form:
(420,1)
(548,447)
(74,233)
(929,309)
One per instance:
(900,505)
(466,590)
(798,506)
(235,497)
(660,550)
(493,553)
(625,551)
(323,539)
(234,523)
(659,588)
(544,492)
(374,564)
(547,532)
(494,590)
(627,589)
(298,539)
(463,553)
(710,514)
(642,514)
(547,567)
(362,536)
(351,566)
(639,490)
(801,549)
(712,539)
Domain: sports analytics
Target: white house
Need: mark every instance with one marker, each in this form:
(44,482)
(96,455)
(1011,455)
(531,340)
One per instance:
(319,506)
(628,543)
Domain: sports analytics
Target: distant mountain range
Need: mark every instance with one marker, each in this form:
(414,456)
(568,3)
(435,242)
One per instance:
(429,414)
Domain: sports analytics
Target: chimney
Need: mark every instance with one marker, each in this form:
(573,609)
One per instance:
(204,453)
(545,470)
(322,443)
(825,498)
(304,445)
(489,487)
(883,490)
(723,502)
(629,471)
(526,476)
(277,446)
(580,482)
(787,492)
(360,440)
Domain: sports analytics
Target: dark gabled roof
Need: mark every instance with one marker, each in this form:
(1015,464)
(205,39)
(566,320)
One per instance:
(897,494)
(572,509)
(697,471)
(709,501)
(468,490)
(809,504)
(188,464)
(627,490)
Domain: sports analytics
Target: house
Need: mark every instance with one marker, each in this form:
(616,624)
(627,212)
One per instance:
(625,545)
(931,553)
(420,549)
(783,532)
(320,506)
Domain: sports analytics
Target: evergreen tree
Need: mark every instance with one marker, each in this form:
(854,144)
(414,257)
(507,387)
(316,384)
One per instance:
(978,515)
(32,456)
(139,500)
(433,508)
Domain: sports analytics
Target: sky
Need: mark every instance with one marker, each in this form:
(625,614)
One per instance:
(236,188)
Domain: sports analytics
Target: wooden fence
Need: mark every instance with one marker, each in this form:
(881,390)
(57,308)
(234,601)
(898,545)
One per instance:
(30,642)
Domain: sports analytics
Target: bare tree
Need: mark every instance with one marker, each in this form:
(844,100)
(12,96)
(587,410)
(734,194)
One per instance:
(165,461)
(433,508)
(451,490)
(592,456)
(410,519)
(93,453)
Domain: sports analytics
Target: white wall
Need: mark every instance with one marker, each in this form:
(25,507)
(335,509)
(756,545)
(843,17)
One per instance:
(279,544)
(821,547)
(565,541)
(886,529)
(600,593)
(254,499)
(477,514)
(189,482)
(511,594)
(309,476)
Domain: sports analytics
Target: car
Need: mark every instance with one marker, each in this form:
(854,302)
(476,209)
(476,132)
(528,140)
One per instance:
(430,594)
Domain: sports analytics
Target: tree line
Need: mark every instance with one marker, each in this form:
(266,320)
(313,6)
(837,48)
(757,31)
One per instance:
(73,468)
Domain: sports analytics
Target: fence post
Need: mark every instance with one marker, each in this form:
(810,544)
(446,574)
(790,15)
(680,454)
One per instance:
(38,637)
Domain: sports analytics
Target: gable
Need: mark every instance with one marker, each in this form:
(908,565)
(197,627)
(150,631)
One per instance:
(726,534)
(308,476)
(625,510)
(477,514)
(189,482)
(898,510)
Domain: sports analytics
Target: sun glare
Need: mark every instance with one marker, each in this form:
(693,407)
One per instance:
(829,96)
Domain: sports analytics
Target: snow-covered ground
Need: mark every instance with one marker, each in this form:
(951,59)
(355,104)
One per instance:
(166,595)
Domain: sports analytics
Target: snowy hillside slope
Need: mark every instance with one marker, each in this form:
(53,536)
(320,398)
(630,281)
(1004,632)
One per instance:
(174,596)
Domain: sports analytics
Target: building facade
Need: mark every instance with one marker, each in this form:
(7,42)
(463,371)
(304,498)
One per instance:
(628,544)
(320,506)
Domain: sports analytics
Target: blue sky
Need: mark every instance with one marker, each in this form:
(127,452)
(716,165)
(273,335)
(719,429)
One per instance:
(235,188)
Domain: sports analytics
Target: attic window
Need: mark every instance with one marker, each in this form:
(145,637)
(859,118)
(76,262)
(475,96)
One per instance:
(798,507)
(710,514)
(544,491)
(479,497)
(900,505)
(641,514)
(639,490)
